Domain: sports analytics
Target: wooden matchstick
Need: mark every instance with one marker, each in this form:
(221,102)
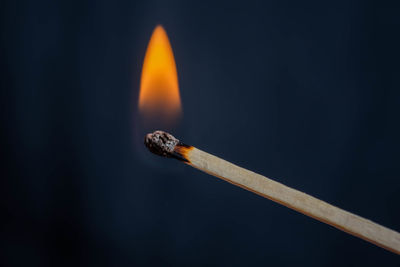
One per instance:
(164,144)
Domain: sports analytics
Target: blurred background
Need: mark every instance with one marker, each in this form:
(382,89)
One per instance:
(305,92)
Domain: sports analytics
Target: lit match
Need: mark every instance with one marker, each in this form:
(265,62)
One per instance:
(159,100)
(164,144)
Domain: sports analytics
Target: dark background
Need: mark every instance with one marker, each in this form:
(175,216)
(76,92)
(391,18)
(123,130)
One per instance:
(301,91)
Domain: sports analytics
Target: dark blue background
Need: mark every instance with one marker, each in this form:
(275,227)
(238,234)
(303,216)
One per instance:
(306,92)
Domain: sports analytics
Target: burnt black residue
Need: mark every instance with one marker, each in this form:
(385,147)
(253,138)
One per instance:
(154,147)
(179,156)
(178,152)
(161,143)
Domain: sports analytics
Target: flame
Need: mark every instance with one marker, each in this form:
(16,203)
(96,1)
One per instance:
(159,91)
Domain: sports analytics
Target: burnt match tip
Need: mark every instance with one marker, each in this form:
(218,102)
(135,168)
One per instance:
(161,143)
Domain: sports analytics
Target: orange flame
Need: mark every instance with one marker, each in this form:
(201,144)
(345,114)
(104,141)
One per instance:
(159,91)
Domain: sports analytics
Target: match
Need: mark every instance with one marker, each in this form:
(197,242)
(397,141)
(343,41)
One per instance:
(164,144)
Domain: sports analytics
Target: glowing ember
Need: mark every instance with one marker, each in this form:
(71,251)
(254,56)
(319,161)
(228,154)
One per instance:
(159,91)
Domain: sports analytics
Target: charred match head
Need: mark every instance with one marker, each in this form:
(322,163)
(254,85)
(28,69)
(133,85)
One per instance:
(166,145)
(161,143)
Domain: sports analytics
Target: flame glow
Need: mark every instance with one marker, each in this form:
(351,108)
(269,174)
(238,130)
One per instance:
(159,91)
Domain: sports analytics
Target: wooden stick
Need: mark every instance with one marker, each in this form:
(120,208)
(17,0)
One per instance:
(164,144)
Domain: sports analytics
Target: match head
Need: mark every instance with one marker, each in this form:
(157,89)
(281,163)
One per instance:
(161,143)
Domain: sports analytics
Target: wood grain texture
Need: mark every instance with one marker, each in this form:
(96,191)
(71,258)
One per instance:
(294,199)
